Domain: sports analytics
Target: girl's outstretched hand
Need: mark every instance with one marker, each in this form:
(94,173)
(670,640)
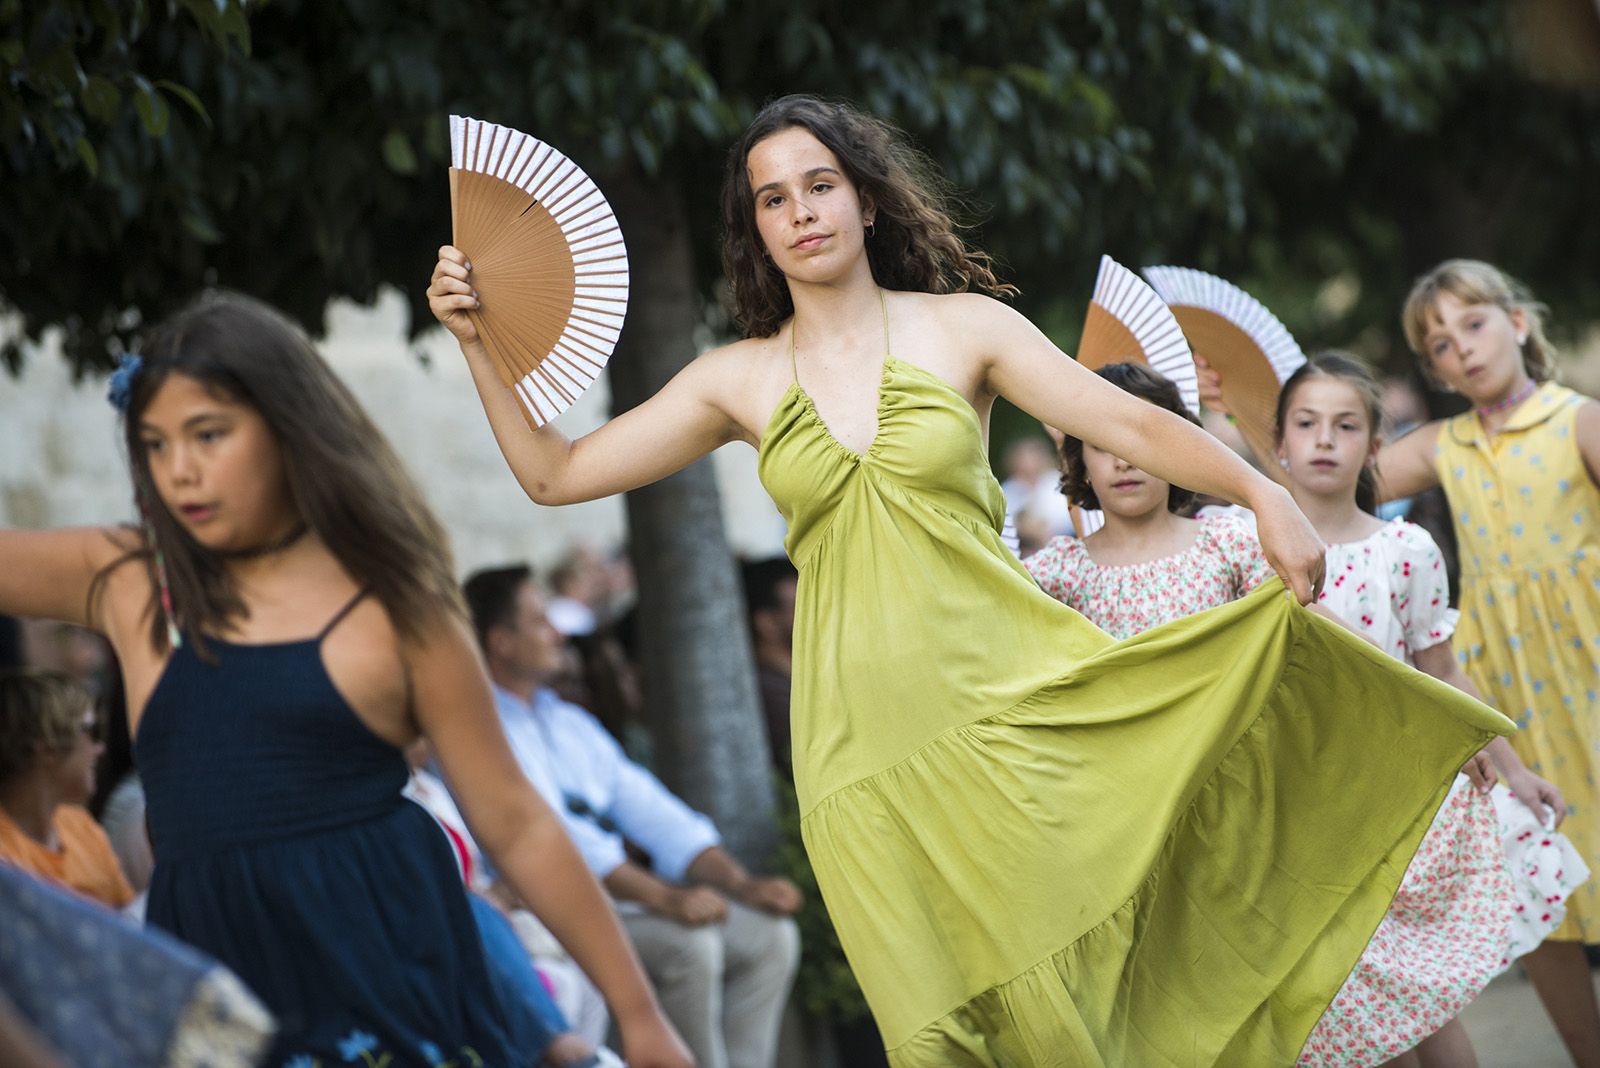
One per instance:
(450,294)
(1480,772)
(1290,543)
(652,1043)
(1539,795)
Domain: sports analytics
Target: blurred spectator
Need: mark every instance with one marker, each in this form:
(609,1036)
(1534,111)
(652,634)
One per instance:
(580,586)
(607,683)
(67,649)
(118,801)
(48,748)
(717,942)
(769,592)
(1032,484)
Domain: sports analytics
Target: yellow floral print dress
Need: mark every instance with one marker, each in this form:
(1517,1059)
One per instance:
(1525,509)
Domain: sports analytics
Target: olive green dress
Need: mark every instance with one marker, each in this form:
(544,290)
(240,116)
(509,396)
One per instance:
(1044,847)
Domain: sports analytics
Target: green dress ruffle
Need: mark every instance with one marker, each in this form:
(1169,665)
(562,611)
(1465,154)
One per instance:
(1044,847)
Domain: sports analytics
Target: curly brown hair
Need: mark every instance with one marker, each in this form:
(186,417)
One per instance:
(1142,382)
(40,711)
(914,245)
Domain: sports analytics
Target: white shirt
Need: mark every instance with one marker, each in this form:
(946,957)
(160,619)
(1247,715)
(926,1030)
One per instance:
(601,795)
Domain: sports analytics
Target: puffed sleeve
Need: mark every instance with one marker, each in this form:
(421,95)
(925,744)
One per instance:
(1421,588)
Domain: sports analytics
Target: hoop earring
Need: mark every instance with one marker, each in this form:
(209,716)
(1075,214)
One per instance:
(870,229)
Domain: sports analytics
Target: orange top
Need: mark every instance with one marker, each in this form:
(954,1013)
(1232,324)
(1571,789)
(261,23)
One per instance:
(84,862)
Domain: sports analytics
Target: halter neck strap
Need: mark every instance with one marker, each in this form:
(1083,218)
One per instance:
(794,321)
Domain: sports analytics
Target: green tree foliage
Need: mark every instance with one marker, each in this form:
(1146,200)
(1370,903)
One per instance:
(1279,140)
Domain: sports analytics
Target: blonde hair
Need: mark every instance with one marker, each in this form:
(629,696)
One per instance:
(1476,282)
(40,711)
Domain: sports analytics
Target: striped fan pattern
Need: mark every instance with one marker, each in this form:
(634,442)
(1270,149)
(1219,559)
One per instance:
(1238,336)
(1129,322)
(548,262)
(1187,287)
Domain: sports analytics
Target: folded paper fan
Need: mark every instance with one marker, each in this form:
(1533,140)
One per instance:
(1129,323)
(547,259)
(1237,335)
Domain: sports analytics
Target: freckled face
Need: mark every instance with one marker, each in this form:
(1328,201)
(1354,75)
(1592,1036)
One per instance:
(1123,489)
(1473,348)
(216,466)
(1327,436)
(809,215)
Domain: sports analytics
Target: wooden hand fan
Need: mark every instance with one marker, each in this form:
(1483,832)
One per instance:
(1237,335)
(1129,323)
(547,259)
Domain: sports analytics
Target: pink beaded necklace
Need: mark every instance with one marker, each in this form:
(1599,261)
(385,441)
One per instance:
(1509,402)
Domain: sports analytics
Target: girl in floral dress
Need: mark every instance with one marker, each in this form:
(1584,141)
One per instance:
(1150,564)
(1467,907)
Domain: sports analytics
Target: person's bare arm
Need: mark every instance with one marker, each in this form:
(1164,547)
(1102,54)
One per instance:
(47,574)
(773,894)
(1021,364)
(682,422)
(20,1045)
(524,837)
(693,906)
(1405,466)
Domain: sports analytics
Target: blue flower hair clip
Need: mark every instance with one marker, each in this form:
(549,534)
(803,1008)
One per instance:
(121,388)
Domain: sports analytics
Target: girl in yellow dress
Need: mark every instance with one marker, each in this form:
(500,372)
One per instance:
(1041,846)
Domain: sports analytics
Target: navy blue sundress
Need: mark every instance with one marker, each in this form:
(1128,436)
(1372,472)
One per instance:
(285,850)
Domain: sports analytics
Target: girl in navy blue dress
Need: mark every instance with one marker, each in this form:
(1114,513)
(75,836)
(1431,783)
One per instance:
(287,622)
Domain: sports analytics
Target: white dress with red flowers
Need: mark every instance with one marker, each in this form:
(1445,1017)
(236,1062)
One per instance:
(1468,905)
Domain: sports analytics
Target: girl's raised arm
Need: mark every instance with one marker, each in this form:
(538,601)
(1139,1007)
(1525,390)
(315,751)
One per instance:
(455,709)
(1405,467)
(681,423)
(47,574)
(1022,365)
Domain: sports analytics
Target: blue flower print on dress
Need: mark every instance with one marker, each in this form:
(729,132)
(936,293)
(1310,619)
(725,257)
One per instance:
(301,1060)
(432,1052)
(357,1044)
(121,387)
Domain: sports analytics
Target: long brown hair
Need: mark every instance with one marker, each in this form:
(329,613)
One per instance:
(1346,368)
(914,245)
(1476,282)
(344,478)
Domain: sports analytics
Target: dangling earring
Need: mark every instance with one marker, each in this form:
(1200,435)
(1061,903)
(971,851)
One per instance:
(870,229)
(1522,339)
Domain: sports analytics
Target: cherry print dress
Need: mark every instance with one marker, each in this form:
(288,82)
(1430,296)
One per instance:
(1468,905)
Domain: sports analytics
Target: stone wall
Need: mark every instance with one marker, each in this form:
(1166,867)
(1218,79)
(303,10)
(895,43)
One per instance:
(61,460)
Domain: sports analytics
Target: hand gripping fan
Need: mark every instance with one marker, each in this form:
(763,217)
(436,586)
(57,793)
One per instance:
(1237,335)
(1129,323)
(547,259)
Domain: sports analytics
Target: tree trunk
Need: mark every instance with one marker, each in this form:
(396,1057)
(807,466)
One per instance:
(699,675)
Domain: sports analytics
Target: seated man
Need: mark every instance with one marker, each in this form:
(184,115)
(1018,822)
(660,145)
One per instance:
(717,942)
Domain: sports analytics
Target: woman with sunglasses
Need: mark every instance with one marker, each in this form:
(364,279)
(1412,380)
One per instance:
(49,742)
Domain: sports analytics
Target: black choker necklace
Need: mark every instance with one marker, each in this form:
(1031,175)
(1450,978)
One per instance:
(295,533)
